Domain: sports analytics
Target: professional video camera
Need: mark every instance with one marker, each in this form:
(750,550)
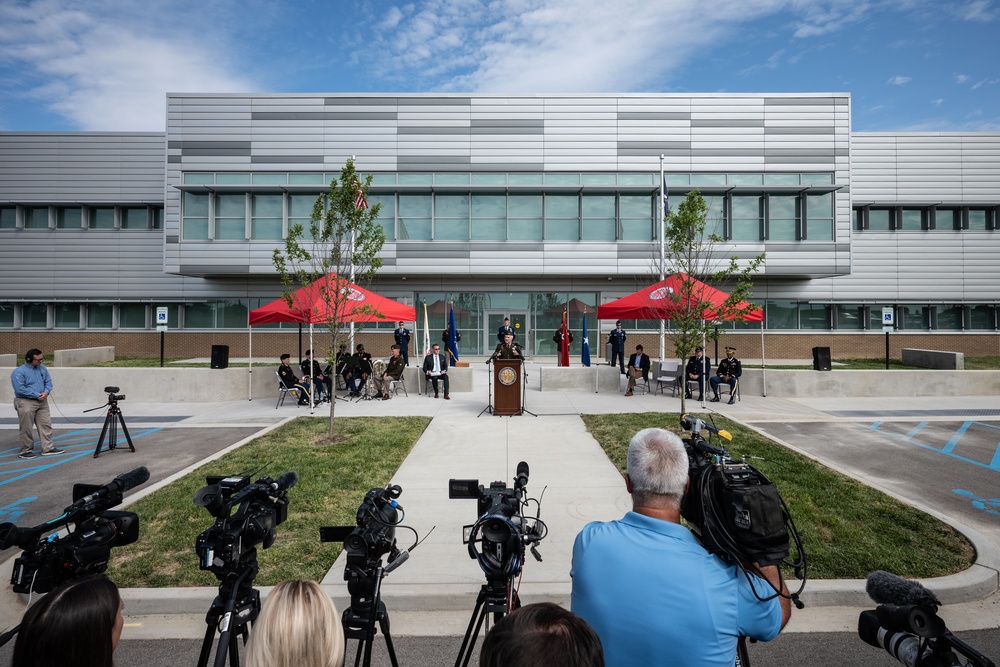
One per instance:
(50,561)
(734,509)
(229,550)
(113,395)
(373,536)
(501,534)
(261,506)
(907,626)
(502,530)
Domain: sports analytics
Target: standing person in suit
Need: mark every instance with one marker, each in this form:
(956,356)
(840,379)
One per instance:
(436,368)
(617,340)
(730,370)
(505,329)
(402,338)
(696,371)
(638,366)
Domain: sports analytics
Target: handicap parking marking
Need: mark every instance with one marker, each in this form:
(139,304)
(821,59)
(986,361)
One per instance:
(948,448)
(990,505)
(11,512)
(77,444)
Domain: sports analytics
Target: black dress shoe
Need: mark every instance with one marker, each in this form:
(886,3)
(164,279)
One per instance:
(732,400)
(701,397)
(687,394)
(715,399)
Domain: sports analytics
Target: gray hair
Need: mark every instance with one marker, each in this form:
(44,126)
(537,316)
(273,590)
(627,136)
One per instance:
(657,465)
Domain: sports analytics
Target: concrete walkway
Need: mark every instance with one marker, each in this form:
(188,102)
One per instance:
(434,592)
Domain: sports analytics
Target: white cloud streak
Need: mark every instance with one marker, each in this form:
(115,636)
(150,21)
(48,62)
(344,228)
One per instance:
(107,65)
(899,80)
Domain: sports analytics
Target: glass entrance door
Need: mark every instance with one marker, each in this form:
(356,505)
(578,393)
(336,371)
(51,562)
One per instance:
(494,320)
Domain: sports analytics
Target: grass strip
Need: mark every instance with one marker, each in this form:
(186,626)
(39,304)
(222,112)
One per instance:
(333,480)
(847,529)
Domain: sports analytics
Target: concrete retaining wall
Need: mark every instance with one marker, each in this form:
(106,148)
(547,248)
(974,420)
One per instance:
(10,360)
(83,356)
(459,380)
(596,378)
(939,359)
(816,384)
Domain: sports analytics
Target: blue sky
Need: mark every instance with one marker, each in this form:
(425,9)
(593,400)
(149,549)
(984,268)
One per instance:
(910,65)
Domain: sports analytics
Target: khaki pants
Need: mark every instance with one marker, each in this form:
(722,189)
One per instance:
(32,412)
(634,374)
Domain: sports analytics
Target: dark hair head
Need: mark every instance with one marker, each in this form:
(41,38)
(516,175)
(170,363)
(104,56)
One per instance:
(31,354)
(542,635)
(286,356)
(72,625)
(395,347)
(638,348)
(309,353)
(359,347)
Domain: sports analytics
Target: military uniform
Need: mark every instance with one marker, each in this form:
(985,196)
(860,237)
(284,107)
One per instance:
(730,371)
(617,340)
(504,351)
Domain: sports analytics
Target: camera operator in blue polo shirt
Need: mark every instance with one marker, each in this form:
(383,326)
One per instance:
(652,593)
(32,385)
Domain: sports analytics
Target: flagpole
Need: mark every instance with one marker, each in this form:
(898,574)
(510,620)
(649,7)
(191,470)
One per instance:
(663,256)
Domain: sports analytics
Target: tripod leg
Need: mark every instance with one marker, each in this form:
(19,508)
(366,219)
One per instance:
(469,641)
(128,438)
(384,624)
(104,431)
(206,646)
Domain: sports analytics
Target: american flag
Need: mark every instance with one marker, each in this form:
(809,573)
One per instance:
(360,201)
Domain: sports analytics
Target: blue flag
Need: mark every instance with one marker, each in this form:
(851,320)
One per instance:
(452,336)
(585,354)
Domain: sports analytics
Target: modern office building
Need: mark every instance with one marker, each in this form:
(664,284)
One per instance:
(505,205)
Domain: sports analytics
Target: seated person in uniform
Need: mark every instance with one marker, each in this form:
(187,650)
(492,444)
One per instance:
(288,378)
(730,370)
(696,371)
(360,365)
(321,381)
(393,371)
(343,363)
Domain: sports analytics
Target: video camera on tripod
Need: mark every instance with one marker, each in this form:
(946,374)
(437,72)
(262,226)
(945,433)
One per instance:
(501,534)
(261,507)
(907,626)
(113,395)
(229,550)
(50,561)
(373,536)
(734,509)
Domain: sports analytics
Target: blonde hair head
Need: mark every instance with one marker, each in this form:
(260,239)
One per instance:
(298,626)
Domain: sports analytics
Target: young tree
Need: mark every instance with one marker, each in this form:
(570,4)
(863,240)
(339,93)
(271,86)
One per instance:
(340,245)
(692,253)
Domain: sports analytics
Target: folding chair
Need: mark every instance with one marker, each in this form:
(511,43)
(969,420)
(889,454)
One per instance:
(396,385)
(725,388)
(283,391)
(669,373)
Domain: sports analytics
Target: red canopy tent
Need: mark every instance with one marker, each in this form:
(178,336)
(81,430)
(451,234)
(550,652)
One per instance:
(655,303)
(309,305)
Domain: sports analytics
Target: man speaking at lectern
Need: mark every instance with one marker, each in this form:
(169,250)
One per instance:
(508,349)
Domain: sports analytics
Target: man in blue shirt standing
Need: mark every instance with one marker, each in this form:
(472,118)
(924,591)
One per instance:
(32,386)
(650,591)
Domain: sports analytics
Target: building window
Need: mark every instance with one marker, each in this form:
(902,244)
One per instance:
(36,217)
(66,316)
(562,218)
(101,217)
(386,214)
(746,216)
(489,217)
(300,209)
(782,218)
(982,317)
(979,218)
(715,217)
(451,218)
(950,318)
(850,317)
(6,315)
(100,316)
(916,318)
(524,218)
(265,222)
(880,219)
(819,217)
(156,217)
(598,218)
(199,316)
(947,219)
(913,219)
(132,316)
(637,213)
(231,217)
(415,217)
(195,226)
(232,314)
(8,217)
(34,316)
(781,314)
(69,217)
(814,316)
(134,217)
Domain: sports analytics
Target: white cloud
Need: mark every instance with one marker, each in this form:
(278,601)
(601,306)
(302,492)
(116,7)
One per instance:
(107,65)
(983,83)
(938,102)
(983,11)
(899,80)
(961,78)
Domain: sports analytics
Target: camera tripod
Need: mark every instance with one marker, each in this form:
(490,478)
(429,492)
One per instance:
(492,599)
(111,427)
(235,608)
(367,608)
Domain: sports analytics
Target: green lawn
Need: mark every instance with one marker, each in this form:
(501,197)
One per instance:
(847,528)
(333,480)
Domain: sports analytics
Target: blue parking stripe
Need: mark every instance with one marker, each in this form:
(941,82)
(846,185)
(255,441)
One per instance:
(948,448)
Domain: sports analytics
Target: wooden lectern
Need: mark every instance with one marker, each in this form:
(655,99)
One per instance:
(508,376)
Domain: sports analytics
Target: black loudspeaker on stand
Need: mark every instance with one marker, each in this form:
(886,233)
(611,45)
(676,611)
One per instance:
(220,356)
